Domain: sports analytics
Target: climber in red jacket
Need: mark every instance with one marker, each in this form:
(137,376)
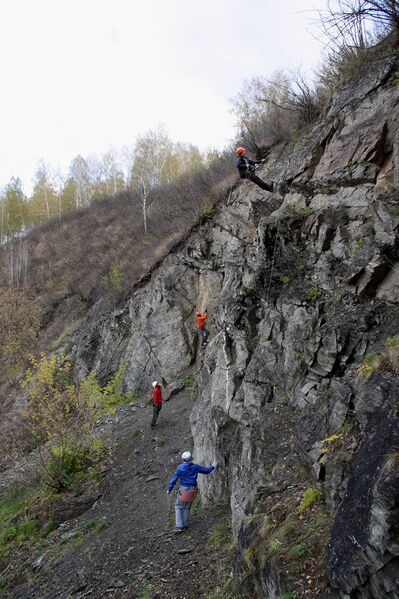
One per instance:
(156,402)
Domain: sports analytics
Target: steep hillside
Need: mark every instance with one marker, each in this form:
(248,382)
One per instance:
(296,396)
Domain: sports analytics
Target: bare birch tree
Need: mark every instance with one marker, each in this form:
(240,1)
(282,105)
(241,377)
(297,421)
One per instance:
(151,155)
(83,186)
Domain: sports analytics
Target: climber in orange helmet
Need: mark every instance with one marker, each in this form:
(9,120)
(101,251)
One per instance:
(202,332)
(246,169)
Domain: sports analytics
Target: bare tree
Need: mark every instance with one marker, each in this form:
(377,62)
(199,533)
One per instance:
(79,170)
(268,110)
(295,95)
(354,17)
(18,265)
(150,156)
(158,161)
(58,181)
(356,31)
(350,25)
(112,175)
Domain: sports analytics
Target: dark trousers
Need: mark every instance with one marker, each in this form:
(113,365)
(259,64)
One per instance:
(255,179)
(155,413)
(203,335)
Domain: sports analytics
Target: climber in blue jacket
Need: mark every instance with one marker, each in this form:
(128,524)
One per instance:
(187,472)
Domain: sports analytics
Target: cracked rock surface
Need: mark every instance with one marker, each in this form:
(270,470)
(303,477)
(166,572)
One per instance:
(299,290)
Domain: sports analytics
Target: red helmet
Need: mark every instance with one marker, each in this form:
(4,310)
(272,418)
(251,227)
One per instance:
(198,314)
(240,150)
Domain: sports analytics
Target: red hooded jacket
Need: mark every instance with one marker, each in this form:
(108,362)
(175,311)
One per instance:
(157,396)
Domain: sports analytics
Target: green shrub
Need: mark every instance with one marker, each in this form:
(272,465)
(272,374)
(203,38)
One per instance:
(61,416)
(357,246)
(67,465)
(256,339)
(220,538)
(100,526)
(27,529)
(301,550)
(7,534)
(386,360)
(115,275)
(205,212)
(392,343)
(48,528)
(314,293)
(370,363)
(228,590)
(20,526)
(75,540)
(129,398)
(188,381)
(196,506)
(94,524)
(307,212)
(112,394)
(249,289)
(275,543)
(310,496)
(287,534)
(343,215)
(285,280)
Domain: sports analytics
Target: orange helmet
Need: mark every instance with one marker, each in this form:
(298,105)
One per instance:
(240,150)
(198,314)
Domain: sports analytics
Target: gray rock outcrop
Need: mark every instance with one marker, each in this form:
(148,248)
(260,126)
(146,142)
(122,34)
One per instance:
(300,290)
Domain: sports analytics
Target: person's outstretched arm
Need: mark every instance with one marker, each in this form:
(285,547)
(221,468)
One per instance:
(173,480)
(204,469)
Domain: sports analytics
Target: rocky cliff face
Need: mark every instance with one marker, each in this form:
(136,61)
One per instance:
(296,396)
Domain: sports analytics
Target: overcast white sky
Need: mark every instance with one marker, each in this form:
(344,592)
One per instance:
(81,76)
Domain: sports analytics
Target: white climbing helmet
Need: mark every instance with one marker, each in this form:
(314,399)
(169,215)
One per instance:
(155,383)
(186,456)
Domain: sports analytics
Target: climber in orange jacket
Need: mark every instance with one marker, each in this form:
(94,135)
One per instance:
(202,332)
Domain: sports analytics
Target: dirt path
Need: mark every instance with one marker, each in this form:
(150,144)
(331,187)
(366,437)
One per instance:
(124,546)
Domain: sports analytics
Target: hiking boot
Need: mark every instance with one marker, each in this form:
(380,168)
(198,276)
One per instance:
(281,188)
(177,530)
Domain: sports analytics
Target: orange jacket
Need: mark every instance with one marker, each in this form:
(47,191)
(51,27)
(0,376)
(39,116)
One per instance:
(201,319)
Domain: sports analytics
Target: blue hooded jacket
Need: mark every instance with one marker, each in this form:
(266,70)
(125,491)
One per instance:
(188,472)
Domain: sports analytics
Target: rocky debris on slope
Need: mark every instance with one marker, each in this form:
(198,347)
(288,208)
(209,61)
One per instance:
(299,292)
